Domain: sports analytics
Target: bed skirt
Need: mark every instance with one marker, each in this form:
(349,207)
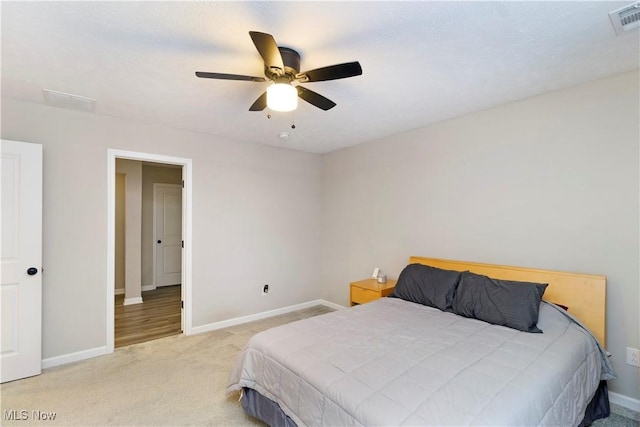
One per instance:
(264,409)
(268,411)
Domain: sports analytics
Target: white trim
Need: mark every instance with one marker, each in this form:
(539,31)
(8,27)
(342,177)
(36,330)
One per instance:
(119,291)
(615,398)
(259,316)
(131,301)
(73,357)
(624,401)
(146,288)
(187,210)
(330,304)
(111,249)
(101,351)
(187,252)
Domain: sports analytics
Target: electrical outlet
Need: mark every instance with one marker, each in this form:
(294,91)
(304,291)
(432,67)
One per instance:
(265,290)
(633,356)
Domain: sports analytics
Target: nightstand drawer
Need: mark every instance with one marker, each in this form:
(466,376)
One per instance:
(368,290)
(360,296)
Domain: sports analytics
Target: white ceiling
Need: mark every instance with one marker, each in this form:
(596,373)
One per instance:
(423,62)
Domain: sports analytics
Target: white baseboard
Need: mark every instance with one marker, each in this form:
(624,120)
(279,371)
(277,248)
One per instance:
(120,291)
(130,301)
(73,357)
(624,401)
(259,316)
(330,304)
(100,351)
(615,398)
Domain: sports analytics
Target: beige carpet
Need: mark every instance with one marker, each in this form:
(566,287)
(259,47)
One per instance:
(173,381)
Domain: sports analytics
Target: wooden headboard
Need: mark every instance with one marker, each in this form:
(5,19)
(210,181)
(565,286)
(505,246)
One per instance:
(584,294)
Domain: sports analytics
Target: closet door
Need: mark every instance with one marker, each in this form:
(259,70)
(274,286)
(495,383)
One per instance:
(167,200)
(21,253)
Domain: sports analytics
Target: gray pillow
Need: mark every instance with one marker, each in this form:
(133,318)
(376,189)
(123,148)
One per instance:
(501,302)
(427,285)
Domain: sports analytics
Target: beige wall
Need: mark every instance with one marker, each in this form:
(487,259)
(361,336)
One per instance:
(549,182)
(151,175)
(256,219)
(120,233)
(132,171)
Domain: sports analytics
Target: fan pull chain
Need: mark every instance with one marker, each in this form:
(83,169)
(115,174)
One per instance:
(293,119)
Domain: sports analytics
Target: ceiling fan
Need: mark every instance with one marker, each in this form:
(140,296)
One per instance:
(282,67)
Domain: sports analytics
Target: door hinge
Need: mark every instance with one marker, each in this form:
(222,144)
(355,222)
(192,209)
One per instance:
(183,183)
(181,304)
(183,243)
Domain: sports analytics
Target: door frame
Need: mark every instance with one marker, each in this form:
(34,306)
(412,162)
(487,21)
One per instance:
(157,185)
(112,155)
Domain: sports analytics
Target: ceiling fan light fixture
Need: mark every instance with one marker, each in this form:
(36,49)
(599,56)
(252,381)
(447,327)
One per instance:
(282,97)
(282,67)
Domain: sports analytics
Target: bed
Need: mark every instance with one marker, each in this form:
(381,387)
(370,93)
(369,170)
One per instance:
(418,358)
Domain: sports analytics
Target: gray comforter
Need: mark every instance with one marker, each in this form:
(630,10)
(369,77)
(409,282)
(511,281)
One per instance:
(392,362)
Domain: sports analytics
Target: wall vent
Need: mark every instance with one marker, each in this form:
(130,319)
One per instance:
(625,19)
(67,100)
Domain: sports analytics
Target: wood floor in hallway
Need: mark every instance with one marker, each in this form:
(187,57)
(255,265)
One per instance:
(157,317)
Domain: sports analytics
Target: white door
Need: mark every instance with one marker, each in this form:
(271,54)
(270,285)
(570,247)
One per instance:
(167,199)
(21,253)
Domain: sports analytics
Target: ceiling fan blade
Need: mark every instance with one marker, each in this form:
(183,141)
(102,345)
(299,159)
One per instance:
(223,76)
(315,98)
(260,104)
(268,49)
(333,72)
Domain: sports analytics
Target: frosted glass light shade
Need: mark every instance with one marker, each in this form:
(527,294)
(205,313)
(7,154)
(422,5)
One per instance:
(282,97)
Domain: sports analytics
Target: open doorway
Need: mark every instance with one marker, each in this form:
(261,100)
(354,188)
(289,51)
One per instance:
(148,251)
(148,266)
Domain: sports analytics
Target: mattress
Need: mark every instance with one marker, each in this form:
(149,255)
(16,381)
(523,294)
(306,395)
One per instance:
(393,362)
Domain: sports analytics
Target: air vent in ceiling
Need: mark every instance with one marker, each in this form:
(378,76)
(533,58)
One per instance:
(625,19)
(67,100)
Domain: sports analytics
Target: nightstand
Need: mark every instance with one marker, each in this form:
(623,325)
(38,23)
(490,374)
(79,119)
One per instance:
(369,289)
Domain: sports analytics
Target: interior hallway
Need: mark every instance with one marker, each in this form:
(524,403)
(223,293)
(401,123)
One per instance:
(157,317)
